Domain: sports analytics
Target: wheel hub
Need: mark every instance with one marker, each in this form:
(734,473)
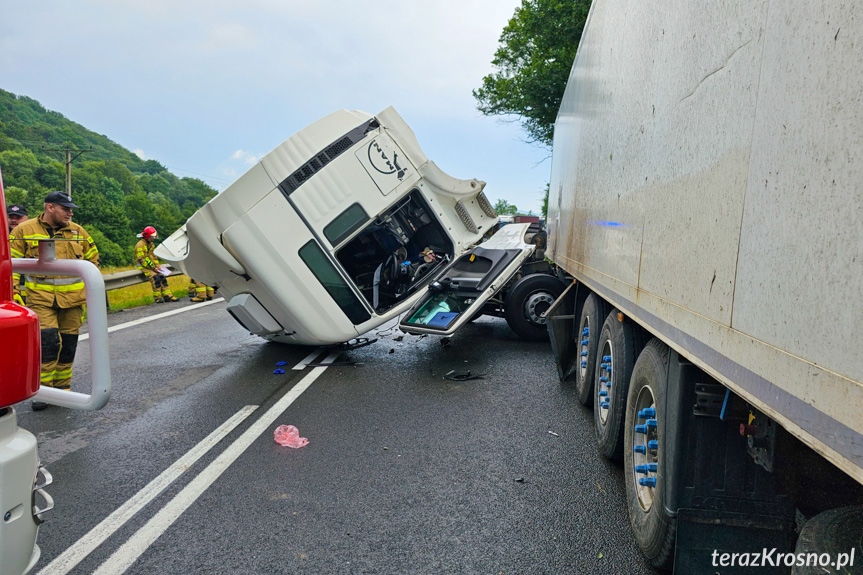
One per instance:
(646,447)
(536,305)
(604,382)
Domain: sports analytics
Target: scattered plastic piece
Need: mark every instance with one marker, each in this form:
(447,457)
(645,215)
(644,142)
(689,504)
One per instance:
(289,436)
(278,371)
(553,433)
(392,350)
(281,363)
(398,338)
(520,479)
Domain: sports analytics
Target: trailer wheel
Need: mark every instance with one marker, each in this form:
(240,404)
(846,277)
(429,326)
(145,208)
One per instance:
(832,534)
(614,363)
(525,303)
(589,326)
(644,456)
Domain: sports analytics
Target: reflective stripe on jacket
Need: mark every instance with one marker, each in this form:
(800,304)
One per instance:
(73,243)
(144,257)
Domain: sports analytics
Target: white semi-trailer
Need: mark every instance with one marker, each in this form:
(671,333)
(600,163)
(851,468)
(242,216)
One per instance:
(707,196)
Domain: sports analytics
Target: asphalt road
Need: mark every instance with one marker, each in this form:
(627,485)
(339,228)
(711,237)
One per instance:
(405,472)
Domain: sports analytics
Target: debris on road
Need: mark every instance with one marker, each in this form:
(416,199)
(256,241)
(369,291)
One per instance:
(553,433)
(354,343)
(289,436)
(520,479)
(281,363)
(278,371)
(392,350)
(453,376)
(398,338)
(445,341)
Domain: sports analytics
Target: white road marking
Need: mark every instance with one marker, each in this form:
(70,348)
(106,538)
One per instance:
(118,327)
(309,359)
(135,546)
(76,553)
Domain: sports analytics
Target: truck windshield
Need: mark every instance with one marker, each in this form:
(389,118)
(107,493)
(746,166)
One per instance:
(397,253)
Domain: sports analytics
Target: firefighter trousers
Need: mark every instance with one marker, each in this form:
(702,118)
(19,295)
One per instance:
(199,291)
(59,331)
(159,284)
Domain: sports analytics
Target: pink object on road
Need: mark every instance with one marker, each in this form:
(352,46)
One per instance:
(289,436)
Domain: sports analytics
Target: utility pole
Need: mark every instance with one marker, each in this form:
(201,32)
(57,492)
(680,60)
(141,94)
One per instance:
(69,160)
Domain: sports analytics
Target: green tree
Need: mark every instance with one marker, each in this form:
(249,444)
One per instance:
(140,211)
(533,60)
(503,207)
(110,254)
(19,167)
(98,210)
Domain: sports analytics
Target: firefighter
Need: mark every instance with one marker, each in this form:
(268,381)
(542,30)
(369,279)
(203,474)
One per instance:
(200,292)
(149,264)
(57,300)
(15,214)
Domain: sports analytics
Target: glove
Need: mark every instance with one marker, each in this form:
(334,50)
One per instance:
(18,299)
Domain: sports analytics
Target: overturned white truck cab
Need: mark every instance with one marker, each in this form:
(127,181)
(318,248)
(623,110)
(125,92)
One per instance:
(347,225)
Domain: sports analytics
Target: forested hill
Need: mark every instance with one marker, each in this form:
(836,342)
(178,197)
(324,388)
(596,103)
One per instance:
(118,192)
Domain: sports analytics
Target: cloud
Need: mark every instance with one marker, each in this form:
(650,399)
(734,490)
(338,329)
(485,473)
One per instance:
(246,157)
(140,153)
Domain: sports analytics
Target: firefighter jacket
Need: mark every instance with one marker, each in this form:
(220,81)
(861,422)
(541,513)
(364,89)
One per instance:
(144,257)
(73,243)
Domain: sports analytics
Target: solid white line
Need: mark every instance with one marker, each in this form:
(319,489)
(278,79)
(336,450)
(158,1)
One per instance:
(135,546)
(67,560)
(118,327)
(309,359)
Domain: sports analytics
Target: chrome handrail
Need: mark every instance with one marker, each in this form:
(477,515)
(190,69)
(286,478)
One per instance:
(97,322)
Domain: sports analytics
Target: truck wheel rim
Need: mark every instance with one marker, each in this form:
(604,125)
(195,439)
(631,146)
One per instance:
(604,380)
(646,447)
(536,305)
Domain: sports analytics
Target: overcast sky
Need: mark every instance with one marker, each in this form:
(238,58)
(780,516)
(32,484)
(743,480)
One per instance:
(208,87)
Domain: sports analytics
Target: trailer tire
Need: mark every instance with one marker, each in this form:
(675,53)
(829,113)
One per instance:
(616,353)
(528,299)
(832,532)
(653,528)
(593,313)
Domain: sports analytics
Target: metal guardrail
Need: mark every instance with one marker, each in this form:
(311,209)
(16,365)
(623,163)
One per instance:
(129,278)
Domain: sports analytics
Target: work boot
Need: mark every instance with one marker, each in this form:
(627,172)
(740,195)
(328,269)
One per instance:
(197,299)
(38,405)
(157,300)
(170,298)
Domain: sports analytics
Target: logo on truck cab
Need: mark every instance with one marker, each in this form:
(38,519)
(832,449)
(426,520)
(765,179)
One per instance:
(381,162)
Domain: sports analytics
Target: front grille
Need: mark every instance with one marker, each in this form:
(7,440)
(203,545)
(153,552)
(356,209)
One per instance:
(290,184)
(468,222)
(485,205)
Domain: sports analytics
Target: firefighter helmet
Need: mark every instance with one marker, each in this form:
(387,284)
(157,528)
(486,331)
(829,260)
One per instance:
(149,231)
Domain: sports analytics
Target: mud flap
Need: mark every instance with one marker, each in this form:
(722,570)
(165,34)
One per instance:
(561,324)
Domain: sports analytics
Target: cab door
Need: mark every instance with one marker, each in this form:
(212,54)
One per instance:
(468,283)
